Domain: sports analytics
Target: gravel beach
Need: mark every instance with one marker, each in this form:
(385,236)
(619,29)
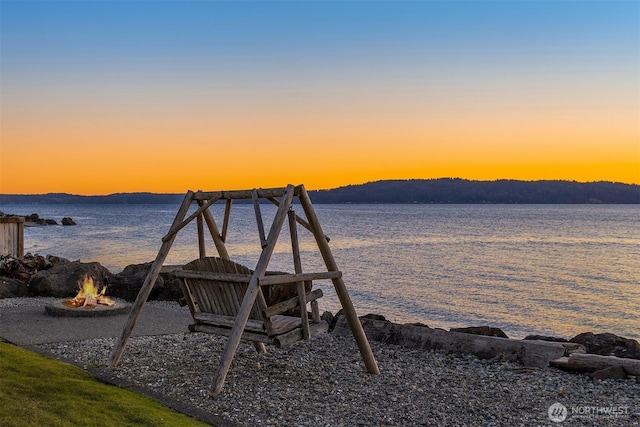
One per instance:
(323,382)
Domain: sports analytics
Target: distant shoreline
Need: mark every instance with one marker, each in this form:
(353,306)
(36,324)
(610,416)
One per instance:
(415,191)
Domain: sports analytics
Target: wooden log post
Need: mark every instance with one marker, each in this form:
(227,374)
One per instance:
(202,250)
(263,193)
(295,335)
(179,226)
(315,312)
(225,221)
(250,296)
(256,208)
(300,220)
(297,263)
(149,281)
(215,233)
(291,303)
(341,290)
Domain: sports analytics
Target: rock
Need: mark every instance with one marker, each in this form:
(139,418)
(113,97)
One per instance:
(334,320)
(170,291)
(545,338)
(68,221)
(612,372)
(35,263)
(374,316)
(487,331)
(274,294)
(56,259)
(62,279)
(127,284)
(631,351)
(22,268)
(12,288)
(420,324)
(328,317)
(34,220)
(608,344)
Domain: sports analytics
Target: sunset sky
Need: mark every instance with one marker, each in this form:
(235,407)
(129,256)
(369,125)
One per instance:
(99,97)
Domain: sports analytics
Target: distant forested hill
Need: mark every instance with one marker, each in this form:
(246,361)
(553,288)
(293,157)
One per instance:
(447,190)
(118,198)
(443,190)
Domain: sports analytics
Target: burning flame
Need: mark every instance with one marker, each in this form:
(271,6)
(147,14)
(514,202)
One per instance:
(88,296)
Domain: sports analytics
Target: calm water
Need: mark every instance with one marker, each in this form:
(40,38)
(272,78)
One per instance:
(545,269)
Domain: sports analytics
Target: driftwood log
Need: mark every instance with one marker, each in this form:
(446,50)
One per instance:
(530,353)
(595,362)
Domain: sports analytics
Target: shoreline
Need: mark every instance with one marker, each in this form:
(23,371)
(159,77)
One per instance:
(323,382)
(491,283)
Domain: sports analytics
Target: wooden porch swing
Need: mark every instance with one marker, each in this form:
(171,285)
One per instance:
(228,299)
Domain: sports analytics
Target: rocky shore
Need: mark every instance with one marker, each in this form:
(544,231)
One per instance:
(322,382)
(34,220)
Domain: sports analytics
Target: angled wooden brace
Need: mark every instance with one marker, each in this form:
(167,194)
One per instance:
(150,280)
(251,294)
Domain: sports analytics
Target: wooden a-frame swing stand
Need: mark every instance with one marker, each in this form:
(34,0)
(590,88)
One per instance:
(251,301)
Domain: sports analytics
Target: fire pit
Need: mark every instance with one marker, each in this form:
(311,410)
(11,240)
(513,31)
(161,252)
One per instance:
(89,302)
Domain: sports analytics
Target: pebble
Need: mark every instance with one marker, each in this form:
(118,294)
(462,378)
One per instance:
(322,382)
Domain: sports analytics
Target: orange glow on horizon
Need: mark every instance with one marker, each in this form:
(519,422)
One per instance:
(60,150)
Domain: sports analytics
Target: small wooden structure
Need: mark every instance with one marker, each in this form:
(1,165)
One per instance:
(12,236)
(226,298)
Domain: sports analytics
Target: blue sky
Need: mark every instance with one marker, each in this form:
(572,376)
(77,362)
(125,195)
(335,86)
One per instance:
(407,75)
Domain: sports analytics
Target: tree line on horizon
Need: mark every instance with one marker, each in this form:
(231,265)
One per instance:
(442,190)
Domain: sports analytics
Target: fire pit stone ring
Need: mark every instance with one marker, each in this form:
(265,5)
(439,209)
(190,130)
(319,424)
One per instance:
(58,309)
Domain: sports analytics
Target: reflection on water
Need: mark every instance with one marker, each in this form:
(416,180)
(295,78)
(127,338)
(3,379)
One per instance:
(552,270)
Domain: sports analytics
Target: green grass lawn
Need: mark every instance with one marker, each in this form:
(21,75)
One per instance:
(37,391)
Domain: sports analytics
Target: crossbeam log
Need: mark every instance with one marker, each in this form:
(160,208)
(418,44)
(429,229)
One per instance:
(177,227)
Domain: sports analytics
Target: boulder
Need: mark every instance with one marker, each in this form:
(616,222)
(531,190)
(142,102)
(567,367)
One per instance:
(35,263)
(608,344)
(12,288)
(545,338)
(22,268)
(35,220)
(68,221)
(34,217)
(612,372)
(62,279)
(486,331)
(331,320)
(274,294)
(171,289)
(127,284)
(56,259)
(375,316)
